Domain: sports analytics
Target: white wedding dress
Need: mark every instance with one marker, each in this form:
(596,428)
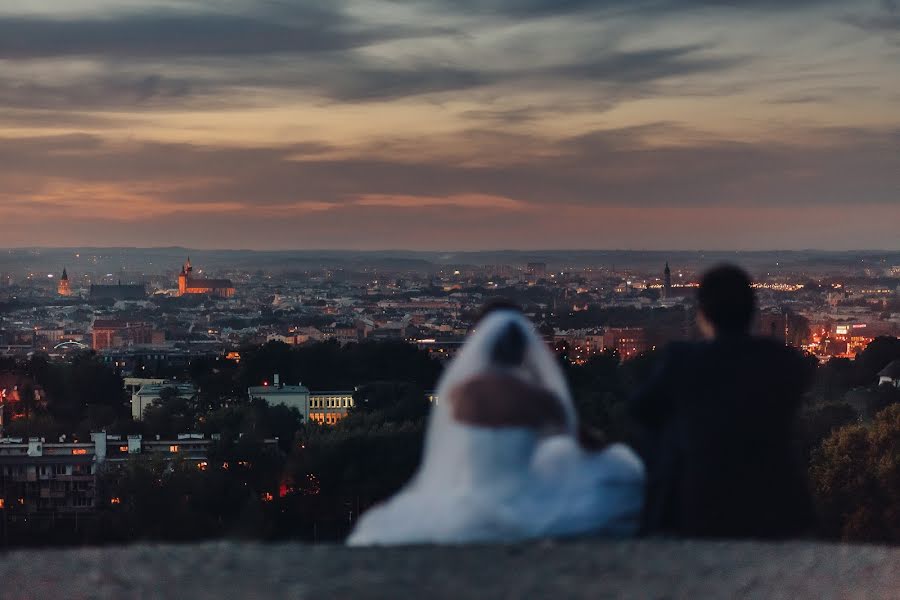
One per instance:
(502,484)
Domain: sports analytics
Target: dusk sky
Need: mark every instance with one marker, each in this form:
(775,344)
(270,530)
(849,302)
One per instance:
(450,124)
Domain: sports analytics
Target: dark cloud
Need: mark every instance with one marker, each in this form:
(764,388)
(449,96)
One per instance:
(305,29)
(644,65)
(31,118)
(351,79)
(553,8)
(356,82)
(108,91)
(886,20)
(348,78)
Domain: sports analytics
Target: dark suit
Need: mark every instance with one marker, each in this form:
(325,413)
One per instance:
(717,424)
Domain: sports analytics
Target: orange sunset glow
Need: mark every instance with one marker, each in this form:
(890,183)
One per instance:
(435,124)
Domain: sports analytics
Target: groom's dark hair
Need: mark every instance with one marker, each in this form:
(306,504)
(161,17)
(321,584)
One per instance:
(726,299)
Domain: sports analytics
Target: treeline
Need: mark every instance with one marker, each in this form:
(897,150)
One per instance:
(320,479)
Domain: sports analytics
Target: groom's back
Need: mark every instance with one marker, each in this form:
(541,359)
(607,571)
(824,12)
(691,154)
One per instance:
(721,416)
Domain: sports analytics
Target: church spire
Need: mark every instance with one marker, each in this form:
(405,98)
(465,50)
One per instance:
(63,288)
(667,282)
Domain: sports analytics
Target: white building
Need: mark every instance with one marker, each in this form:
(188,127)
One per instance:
(890,375)
(292,396)
(150,393)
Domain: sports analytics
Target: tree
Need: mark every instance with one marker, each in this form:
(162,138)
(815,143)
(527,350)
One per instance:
(834,379)
(170,415)
(818,422)
(856,479)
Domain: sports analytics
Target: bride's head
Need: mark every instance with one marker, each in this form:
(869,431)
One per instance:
(504,381)
(505,376)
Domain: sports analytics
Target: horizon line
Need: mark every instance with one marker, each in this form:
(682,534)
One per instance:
(458,251)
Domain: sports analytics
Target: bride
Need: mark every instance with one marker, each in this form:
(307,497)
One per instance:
(502,460)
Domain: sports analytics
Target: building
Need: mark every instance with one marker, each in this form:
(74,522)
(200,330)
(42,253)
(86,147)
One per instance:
(326,408)
(133,384)
(114,333)
(140,360)
(47,478)
(60,478)
(292,396)
(118,292)
(64,288)
(667,282)
(890,375)
(537,270)
(189,284)
(152,392)
(627,341)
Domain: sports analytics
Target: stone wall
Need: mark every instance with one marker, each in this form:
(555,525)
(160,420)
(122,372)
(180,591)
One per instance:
(581,569)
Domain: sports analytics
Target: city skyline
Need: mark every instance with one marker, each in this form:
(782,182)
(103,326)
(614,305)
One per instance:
(437,125)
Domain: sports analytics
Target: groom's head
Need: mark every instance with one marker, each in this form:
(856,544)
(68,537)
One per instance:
(725,302)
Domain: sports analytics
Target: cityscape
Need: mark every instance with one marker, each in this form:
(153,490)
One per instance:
(170,348)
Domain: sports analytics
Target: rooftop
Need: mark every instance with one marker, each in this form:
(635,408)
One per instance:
(892,370)
(582,569)
(269,390)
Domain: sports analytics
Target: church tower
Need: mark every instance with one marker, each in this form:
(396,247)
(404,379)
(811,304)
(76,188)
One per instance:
(667,282)
(183,277)
(64,289)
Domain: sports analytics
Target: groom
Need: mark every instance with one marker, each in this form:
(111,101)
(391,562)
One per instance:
(717,424)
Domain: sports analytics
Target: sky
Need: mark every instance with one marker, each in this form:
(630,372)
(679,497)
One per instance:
(450,124)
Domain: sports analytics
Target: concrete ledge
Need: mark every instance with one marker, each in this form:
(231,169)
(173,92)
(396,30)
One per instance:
(581,569)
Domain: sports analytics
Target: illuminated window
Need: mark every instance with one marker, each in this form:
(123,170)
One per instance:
(123,448)
(79,451)
(115,501)
(173,448)
(2,503)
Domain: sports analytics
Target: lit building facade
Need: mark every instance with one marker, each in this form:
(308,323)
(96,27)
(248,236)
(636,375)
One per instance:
(64,288)
(326,408)
(627,341)
(188,284)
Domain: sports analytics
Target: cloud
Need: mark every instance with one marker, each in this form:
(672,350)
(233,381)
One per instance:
(554,8)
(34,117)
(886,20)
(623,167)
(468,201)
(644,65)
(340,78)
(107,91)
(307,28)
(356,79)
